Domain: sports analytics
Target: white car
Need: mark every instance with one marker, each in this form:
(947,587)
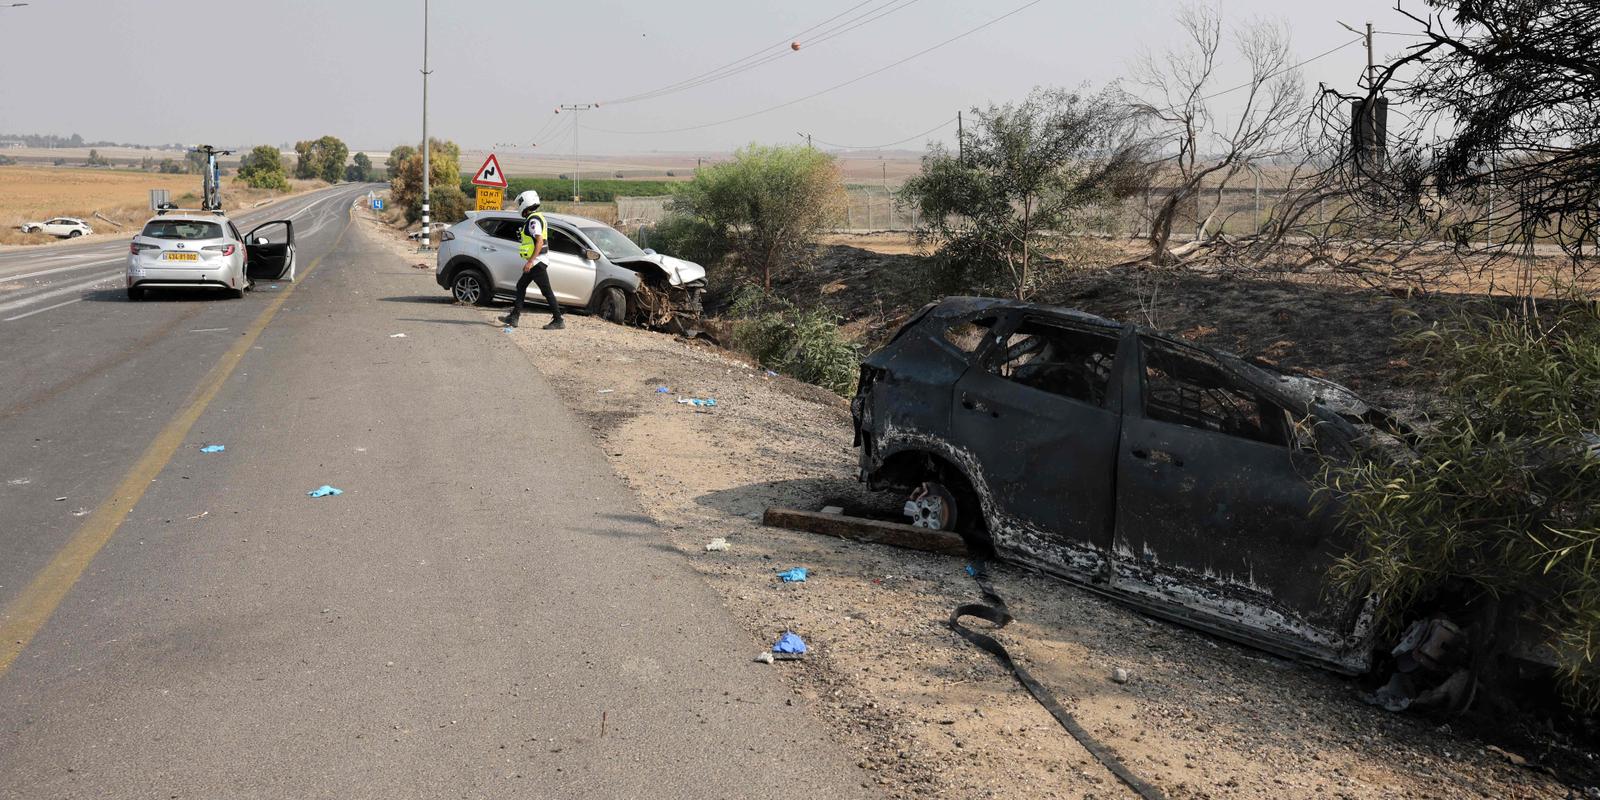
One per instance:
(60,227)
(206,251)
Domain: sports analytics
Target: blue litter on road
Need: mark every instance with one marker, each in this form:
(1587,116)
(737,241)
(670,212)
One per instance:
(663,390)
(771,374)
(789,643)
(213,448)
(971,571)
(796,575)
(324,491)
(508,329)
(709,402)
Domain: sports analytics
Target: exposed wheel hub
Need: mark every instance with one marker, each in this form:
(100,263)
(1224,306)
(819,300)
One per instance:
(931,506)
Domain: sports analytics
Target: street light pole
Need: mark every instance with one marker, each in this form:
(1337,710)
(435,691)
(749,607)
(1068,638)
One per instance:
(427,150)
(577,158)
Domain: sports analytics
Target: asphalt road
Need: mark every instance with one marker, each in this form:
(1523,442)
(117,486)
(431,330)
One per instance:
(485,611)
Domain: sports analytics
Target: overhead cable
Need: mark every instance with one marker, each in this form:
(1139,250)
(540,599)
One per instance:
(836,86)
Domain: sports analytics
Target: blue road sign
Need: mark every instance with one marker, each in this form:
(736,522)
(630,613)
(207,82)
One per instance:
(377,205)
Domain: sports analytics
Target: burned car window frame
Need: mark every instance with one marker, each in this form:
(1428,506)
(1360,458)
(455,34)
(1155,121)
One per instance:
(997,356)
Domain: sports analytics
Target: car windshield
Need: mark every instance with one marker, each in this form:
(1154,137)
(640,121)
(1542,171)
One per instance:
(613,245)
(182,229)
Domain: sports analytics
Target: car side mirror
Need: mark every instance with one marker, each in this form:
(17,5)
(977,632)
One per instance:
(591,255)
(649,251)
(262,240)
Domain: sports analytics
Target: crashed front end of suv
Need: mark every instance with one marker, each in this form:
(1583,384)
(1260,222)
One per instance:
(670,295)
(1165,475)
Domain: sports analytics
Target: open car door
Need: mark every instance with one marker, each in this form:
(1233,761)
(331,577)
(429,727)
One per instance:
(269,251)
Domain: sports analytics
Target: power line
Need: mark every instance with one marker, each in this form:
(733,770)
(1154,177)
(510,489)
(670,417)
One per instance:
(737,68)
(941,125)
(836,86)
(735,63)
(1265,78)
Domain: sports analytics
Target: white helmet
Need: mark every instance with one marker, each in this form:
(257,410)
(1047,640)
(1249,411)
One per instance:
(527,200)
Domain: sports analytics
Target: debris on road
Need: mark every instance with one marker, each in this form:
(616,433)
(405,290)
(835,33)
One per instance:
(796,575)
(765,657)
(1119,675)
(718,544)
(199,515)
(213,448)
(397,336)
(663,390)
(324,491)
(606,391)
(789,643)
(61,499)
(709,402)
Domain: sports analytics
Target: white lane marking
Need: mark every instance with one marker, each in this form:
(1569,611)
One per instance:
(43,273)
(65,290)
(41,310)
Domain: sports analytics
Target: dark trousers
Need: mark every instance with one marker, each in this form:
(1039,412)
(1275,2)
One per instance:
(540,275)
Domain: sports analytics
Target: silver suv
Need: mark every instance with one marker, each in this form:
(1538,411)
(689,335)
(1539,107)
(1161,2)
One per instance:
(592,266)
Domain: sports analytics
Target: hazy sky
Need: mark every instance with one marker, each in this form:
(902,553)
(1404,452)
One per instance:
(235,72)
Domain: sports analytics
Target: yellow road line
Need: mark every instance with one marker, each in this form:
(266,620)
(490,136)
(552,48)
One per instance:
(31,609)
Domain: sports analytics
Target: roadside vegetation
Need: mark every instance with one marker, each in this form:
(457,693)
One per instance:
(448,201)
(321,158)
(594,191)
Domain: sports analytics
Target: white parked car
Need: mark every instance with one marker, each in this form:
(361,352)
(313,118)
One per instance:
(60,227)
(206,251)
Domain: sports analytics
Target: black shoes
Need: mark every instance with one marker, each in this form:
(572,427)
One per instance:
(510,320)
(555,324)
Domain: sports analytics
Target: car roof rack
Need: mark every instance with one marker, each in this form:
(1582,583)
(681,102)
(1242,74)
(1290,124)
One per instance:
(171,209)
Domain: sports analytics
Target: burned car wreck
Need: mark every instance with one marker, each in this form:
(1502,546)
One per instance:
(1168,476)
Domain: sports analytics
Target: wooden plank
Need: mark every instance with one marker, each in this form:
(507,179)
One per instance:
(866,530)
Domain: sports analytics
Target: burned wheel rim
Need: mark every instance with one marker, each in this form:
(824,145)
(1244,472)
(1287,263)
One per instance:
(932,506)
(467,288)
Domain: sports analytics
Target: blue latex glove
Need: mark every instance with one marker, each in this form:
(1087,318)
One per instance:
(213,448)
(789,643)
(796,575)
(324,491)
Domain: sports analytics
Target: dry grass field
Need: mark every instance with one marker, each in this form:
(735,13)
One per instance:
(29,194)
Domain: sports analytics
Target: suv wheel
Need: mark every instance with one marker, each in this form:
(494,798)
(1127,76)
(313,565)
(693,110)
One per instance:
(614,305)
(471,287)
(74,234)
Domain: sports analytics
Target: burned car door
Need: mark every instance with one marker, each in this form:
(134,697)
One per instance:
(269,251)
(1039,415)
(1215,519)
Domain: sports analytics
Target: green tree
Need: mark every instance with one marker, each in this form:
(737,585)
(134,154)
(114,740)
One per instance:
(361,170)
(1027,168)
(406,188)
(323,158)
(262,168)
(194,162)
(768,204)
(170,167)
(397,157)
(95,159)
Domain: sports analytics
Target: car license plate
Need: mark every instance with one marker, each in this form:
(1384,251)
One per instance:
(182,256)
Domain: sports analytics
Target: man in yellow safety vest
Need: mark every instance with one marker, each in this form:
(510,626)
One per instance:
(535,244)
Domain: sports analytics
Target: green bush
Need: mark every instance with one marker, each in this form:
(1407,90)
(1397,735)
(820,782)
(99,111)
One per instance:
(688,238)
(262,168)
(805,345)
(1500,495)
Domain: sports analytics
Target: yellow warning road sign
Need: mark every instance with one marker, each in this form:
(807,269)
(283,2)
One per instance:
(489,199)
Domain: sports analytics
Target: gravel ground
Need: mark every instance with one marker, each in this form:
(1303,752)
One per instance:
(928,714)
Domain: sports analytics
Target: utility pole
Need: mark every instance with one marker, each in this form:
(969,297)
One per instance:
(427,149)
(577,158)
(1372,78)
(808,140)
(961,140)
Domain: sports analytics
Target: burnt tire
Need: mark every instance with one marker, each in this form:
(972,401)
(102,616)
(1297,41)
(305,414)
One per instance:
(614,305)
(471,286)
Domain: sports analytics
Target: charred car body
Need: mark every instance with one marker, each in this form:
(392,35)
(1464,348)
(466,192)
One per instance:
(1166,475)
